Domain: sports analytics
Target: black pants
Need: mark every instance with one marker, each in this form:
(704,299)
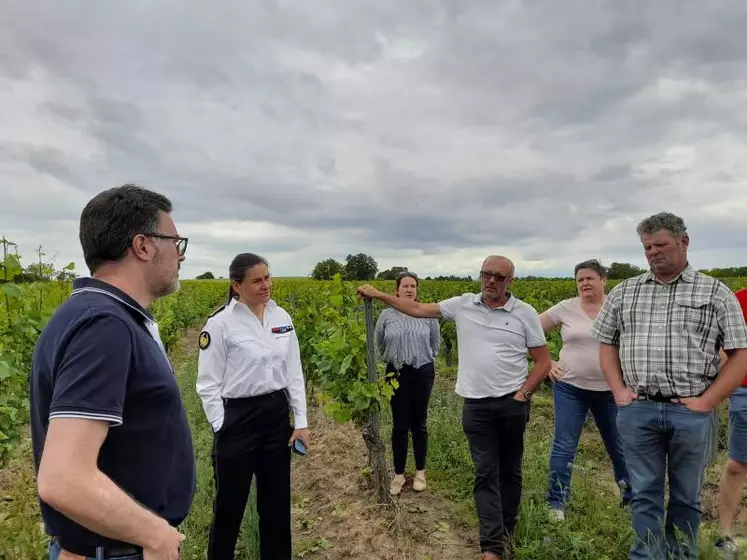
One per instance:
(495,432)
(253,441)
(409,414)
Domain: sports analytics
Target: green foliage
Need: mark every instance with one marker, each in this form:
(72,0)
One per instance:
(391,273)
(360,267)
(451,278)
(618,271)
(205,276)
(326,269)
(333,351)
(329,320)
(27,309)
(730,272)
(10,267)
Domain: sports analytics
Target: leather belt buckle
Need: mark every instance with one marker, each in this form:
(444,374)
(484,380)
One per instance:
(656,398)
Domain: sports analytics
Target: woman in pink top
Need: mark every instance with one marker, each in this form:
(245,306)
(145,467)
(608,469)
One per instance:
(579,386)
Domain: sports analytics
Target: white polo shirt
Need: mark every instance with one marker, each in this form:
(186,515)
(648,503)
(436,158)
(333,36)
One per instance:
(493,344)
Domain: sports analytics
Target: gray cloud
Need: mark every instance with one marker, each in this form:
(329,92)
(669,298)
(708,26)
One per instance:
(435,132)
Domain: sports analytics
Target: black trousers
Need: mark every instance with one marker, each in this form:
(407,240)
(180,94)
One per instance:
(410,412)
(495,432)
(253,441)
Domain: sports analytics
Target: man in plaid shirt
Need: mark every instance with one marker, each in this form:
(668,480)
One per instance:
(661,333)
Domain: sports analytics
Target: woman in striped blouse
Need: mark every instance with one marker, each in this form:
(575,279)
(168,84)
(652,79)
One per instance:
(409,346)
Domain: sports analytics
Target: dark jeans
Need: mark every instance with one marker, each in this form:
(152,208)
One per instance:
(253,441)
(410,412)
(495,433)
(571,406)
(660,440)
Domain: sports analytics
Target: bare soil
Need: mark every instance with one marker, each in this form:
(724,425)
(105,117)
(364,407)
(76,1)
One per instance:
(335,516)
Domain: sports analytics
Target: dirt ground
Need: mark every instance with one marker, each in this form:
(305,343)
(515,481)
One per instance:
(335,517)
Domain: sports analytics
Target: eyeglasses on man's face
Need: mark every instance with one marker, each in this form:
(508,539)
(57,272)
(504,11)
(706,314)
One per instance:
(487,275)
(180,242)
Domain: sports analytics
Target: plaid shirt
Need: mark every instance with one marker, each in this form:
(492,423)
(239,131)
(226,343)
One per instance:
(669,335)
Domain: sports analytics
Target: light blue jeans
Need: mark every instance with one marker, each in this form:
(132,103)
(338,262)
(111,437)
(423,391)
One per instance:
(661,439)
(54,553)
(571,407)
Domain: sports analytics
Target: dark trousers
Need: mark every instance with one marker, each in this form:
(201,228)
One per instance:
(253,441)
(495,432)
(410,412)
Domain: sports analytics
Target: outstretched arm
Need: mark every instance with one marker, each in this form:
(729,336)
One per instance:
(406,306)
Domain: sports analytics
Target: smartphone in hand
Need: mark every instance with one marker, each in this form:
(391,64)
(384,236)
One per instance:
(299,447)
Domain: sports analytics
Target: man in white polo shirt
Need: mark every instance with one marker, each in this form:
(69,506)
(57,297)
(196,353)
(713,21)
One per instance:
(495,332)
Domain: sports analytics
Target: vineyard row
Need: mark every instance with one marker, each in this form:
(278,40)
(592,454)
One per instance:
(327,315)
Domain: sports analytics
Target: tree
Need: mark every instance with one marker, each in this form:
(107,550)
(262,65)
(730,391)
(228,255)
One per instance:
(392,273)
(40,272)
(360,267)
(67,274)
(452,278)
(620,271)
(205,276)
(326,270)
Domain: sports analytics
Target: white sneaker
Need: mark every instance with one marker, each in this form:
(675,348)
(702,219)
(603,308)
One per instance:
(557,515)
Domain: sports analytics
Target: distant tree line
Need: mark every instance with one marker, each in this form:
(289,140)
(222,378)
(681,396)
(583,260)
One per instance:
(361,266)
(355,267)
(365,267)
(726,272)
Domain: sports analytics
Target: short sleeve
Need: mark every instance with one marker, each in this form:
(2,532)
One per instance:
(90,380)
(449,306)
(556,313)
(731,321)
(435,340)
(534,332)
(606,327)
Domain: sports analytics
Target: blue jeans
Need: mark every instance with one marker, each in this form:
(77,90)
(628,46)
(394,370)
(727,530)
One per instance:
(54,553)
(663,439)
(571,406)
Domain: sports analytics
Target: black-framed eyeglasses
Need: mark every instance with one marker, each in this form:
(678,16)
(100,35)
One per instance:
(180,242)
(487,275)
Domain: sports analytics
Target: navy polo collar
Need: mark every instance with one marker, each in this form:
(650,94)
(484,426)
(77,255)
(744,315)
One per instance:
(95,285)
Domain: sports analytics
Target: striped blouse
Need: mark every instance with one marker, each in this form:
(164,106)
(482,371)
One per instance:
(405,340)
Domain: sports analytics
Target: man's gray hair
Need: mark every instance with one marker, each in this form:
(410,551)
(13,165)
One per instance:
(663,220)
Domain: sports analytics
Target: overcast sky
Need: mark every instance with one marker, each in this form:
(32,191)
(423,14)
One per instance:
(426,133)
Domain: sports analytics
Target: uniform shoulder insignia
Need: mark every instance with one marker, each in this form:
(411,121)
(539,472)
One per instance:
(214,313)
(204,340)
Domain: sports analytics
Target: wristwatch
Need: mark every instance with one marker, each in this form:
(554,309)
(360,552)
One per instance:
(527,394)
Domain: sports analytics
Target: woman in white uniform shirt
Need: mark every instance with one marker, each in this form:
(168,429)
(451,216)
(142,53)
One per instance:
(249,379)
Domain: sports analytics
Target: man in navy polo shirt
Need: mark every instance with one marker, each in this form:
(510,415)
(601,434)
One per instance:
(112,446)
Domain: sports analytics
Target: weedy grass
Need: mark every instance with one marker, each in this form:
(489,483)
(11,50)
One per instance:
(595,528)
